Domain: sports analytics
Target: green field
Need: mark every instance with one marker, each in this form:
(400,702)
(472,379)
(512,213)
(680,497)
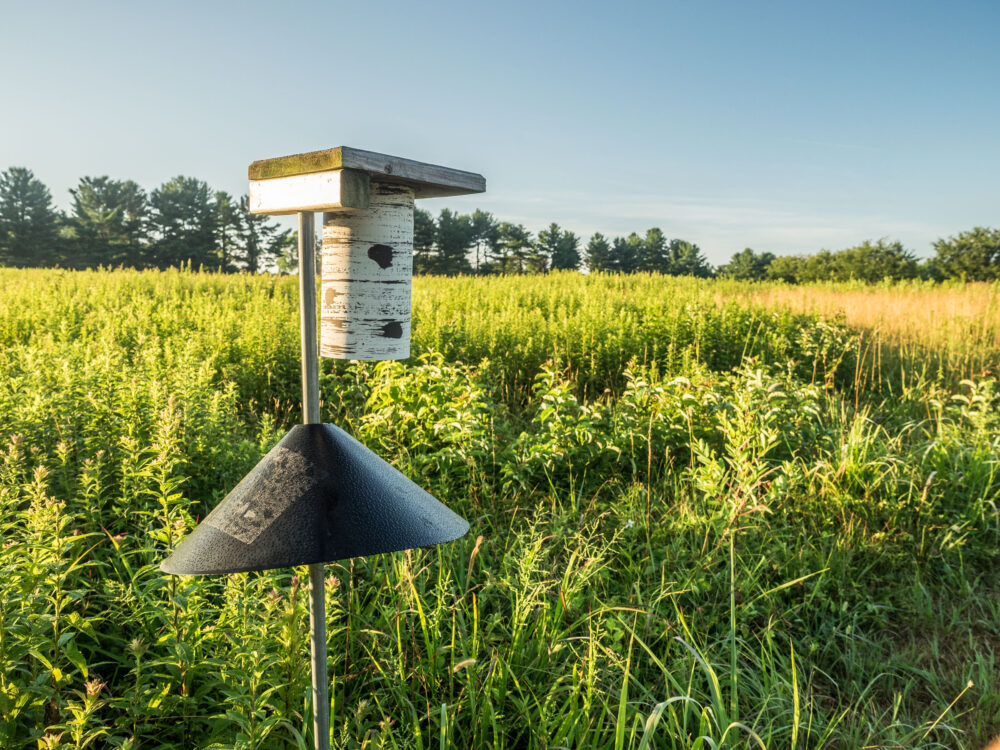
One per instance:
(702,515)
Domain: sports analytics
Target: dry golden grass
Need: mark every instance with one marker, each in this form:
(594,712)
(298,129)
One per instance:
(954,329)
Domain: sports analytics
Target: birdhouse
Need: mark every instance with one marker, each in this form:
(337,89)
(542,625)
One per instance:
(367,263)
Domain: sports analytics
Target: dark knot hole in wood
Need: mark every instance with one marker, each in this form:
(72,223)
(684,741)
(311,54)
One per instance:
(381,254)
(392,330)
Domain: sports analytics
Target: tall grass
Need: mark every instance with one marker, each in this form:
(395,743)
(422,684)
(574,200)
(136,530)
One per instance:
(693,525)
(920,328)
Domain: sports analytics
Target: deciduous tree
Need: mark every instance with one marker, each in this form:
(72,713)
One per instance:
(973,255)
(747,265)
(874,261)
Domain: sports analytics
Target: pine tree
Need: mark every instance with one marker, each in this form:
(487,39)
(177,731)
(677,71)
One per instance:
(598,253)
(107,223)
(135,221)
(287,260)
(626,253)
(687,260)
(228,230)
(514,247)
(424,231)
(654,257)
(561,249)
(567,253)
(29,225)
(546,245)
(484,236)
(453,240)
(262,240)
(183,221)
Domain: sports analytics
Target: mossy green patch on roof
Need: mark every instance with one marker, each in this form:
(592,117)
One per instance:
(427,180)
(283,166)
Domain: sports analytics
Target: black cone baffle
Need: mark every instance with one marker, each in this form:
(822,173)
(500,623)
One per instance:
(319,495)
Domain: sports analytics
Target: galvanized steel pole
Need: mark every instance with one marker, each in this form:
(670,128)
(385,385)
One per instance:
(310,415)
(367,200)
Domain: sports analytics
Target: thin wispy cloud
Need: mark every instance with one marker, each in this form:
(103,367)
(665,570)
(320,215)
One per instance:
(835,145)
(721,226)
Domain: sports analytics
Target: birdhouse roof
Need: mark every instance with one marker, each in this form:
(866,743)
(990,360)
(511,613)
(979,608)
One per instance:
(427,180)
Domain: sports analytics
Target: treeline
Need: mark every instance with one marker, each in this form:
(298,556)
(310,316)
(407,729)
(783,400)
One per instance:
(973,255)
(477,243)
(185,222)
(117,223)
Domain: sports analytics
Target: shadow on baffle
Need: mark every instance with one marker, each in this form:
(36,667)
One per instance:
(319,495)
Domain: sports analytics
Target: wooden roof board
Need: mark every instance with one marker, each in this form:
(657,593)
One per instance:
(427,180)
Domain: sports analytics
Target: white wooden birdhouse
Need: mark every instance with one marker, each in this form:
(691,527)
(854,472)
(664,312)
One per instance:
(367,269)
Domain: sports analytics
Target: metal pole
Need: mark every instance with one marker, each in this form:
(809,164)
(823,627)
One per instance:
(310,415)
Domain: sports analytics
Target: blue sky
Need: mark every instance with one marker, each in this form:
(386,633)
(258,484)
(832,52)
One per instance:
(782,126)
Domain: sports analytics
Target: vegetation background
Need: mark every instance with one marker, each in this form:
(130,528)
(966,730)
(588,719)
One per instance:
(704,514)
(707,512)
(115,223)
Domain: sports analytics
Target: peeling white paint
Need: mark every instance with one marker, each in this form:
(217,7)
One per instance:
(367,278)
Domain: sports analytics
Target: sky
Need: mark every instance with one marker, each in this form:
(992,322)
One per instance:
(783,126)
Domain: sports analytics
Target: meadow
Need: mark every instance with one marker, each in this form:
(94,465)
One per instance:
(704,515)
